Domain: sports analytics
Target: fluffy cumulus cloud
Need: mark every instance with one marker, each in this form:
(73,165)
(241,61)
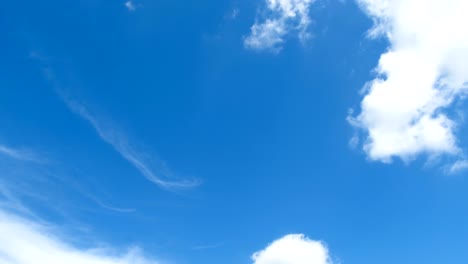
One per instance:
(293,249)
(281,17)
(405,110)
(25,242)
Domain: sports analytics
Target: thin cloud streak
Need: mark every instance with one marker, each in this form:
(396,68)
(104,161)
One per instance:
(18,154)
(109,207)
(120,144)
(9,201)
(116,139)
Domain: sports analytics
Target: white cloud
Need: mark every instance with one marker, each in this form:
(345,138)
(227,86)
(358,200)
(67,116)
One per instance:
(120,144)
(425,69)
(293,249)
(26,242)
(130,5)
(283,17)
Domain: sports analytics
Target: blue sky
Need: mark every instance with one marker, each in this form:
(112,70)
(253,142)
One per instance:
(264,132)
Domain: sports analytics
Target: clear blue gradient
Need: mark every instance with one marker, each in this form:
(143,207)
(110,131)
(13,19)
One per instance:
(265,135)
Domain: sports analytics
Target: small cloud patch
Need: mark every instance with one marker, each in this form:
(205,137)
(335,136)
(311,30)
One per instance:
(293,249)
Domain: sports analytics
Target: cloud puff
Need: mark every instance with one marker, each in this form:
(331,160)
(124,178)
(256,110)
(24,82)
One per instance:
(293,249)
(283,17)
(25,242)
(425,70)
(130,5)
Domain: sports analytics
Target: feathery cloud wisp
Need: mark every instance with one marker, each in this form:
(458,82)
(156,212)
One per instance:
(423,73)
(121,145)
(26,242)
(283,17)
(293,249)
(18,154)
(116,139)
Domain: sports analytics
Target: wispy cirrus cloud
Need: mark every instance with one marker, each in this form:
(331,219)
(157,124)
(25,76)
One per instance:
(25,238)
(23,241)
(293,249)
(280,18)
(406,108)
(19,154)
(120,143)
(158,175)
(106,205)
(17,184)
